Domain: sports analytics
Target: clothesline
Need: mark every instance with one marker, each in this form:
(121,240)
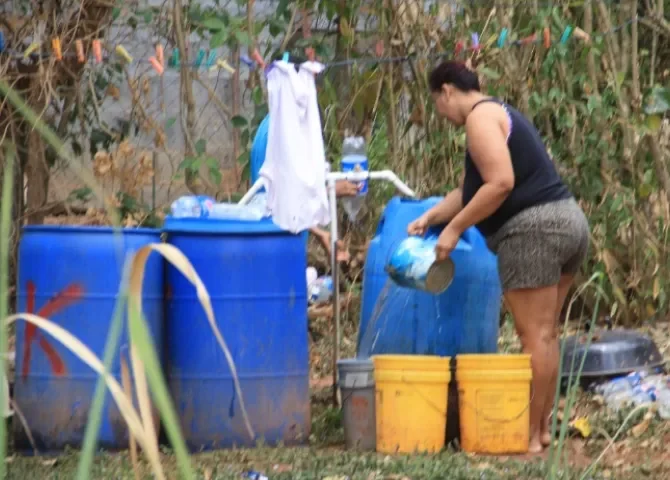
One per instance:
(211,60)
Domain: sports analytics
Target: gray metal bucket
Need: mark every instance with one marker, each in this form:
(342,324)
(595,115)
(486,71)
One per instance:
(357,386)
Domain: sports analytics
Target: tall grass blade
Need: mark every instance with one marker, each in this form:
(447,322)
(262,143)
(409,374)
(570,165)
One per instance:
(111,347)
(554,460)
(5,230)
(128,388)
(124,403)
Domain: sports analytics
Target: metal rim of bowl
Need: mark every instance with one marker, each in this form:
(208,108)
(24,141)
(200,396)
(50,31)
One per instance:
(439,276)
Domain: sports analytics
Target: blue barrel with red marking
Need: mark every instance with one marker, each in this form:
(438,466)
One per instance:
(71,275)
(255,275)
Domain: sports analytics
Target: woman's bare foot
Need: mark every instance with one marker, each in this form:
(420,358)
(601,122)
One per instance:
(535,445)
(546,439)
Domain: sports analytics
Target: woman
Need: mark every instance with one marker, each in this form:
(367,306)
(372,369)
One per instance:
(514,195)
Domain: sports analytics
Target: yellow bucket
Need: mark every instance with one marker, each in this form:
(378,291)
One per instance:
(494,402)
(411,402)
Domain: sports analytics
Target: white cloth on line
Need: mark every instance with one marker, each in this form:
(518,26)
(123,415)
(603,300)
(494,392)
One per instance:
(294,171)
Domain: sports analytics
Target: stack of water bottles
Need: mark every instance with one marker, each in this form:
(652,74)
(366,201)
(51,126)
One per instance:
(200,206)
(319,289)
(638,388)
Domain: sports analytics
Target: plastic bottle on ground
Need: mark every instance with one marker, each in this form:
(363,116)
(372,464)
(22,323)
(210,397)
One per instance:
(321,290)
(663,402)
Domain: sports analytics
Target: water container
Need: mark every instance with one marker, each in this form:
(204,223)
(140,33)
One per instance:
(463,319)
(71,275)
(255,275)
(357,386)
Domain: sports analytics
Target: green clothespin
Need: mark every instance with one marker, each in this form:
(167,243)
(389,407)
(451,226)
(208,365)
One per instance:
(199,59)
(566,34)
(174,59)
(211,59)
(502,38)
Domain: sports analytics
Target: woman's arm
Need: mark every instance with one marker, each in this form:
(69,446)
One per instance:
(448,208)
(487,145)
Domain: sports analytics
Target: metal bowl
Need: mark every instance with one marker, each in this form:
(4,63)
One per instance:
(612,352)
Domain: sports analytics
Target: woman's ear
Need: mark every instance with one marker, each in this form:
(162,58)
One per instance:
(446,90)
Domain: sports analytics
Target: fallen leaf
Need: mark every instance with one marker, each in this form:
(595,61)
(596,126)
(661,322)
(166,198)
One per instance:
(582,425)
(207,473)
(642,427)
(49,462)
(280,468)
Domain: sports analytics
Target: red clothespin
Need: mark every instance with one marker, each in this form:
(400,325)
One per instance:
(459,48)
(547,37)
(97,50)
(529,39)
(310,54)
(55,46)
(157,65)
(160,54)
(379,48)
(256,57)
(79,45)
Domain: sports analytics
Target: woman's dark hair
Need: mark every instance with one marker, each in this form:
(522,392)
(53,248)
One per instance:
(453,73)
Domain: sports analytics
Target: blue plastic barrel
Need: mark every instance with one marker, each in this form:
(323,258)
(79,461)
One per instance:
(463,319)
(255,275)
(72,275)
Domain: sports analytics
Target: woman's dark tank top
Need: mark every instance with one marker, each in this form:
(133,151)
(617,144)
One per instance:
(536,180)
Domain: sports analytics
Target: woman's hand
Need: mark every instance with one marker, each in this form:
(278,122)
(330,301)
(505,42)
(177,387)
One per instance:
(446,243)
(324,238)
(418,227)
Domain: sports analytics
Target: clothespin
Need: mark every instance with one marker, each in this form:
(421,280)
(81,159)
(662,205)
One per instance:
(566,35)
(581,34)
(157,65)
(502,37)
(97,50)
(79,46)
(160,54)
(547,37)
(246,60)
(55,46)
(458,48)
(122,52)
(310,54)
(31,48)
(2,42)
(379,48)
(257,58)
(211,59)
(200,58)
(284,57)
(529,39)
(475,41)
(174,60)
(223,64)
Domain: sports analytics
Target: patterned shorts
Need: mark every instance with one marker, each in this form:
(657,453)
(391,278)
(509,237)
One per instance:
(540,244)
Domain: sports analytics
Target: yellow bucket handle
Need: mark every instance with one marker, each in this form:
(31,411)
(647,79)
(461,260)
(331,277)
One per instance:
(503,420)
(427,400)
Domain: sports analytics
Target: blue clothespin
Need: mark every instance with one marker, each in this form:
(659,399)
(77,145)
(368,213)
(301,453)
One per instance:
(284,58)
(475,41)
(2,42)
(566,34)
(246,60)
(199,59)
(502,38)
(211,59)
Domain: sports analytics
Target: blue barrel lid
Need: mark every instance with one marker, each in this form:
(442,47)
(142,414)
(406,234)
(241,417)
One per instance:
(210,225)
(90,229)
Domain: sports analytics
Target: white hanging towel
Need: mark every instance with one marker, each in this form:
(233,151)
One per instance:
(294,167)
